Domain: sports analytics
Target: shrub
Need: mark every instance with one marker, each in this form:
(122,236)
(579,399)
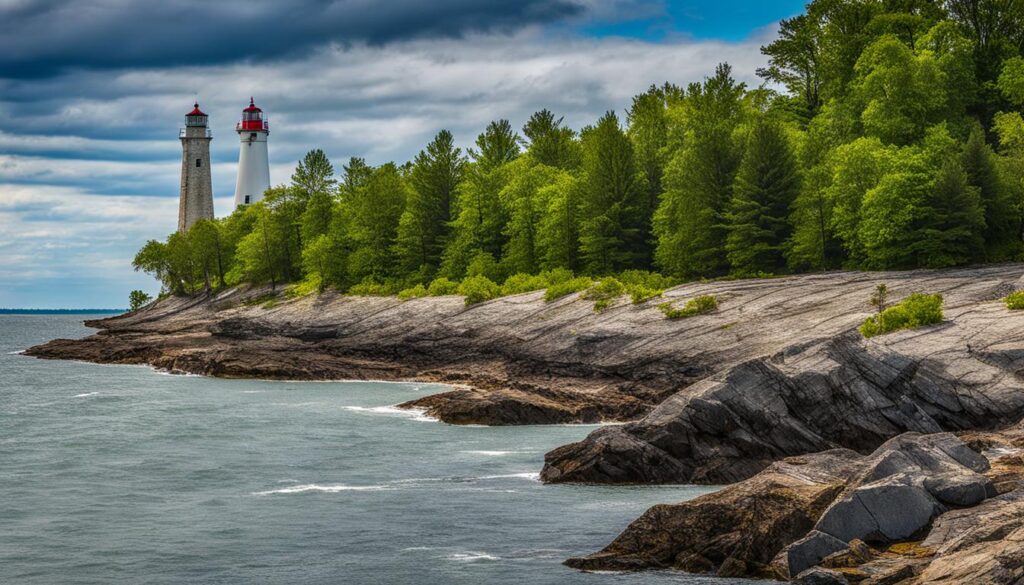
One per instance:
(478,289)
(309,285)
(522,283)
(413,293)
(1015,300)
(604,293)
(916,310)
(556,276)
(368,288)
(642,294)
(138,299)
(567,287)
(695,306)
(483,264)
(442,286)
(645,279)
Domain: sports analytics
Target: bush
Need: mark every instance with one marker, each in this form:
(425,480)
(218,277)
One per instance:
(442,286)
(483,264)
(478,289)
(645,279)
(642,294)
(916,310)
(138,299)
(695,306)
(309,285)
(556,276)
(413,293)
(567,287)
(604,293)
(368,288)
(522,283)
(1015,300)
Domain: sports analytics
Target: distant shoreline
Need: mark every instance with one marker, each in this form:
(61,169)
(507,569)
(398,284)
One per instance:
(61,311)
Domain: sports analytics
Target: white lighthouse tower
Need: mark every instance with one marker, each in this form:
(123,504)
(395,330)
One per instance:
(253,163)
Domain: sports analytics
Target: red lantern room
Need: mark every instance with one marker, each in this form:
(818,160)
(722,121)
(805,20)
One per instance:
(196,117)
(252,120)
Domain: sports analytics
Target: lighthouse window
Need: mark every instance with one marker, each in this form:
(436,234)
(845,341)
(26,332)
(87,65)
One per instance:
(246,199)
(199,162)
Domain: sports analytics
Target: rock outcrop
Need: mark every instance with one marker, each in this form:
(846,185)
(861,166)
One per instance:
(838,517)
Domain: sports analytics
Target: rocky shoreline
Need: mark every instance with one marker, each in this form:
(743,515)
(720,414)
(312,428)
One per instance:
(774,392)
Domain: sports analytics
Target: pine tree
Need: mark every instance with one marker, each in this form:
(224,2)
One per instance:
(425,226)
(314,174)
(979,163)
(612,206)
(766,185)
(551,143)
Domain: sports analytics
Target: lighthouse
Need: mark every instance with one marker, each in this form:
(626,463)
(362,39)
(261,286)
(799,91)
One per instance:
(253,164)
(196,201)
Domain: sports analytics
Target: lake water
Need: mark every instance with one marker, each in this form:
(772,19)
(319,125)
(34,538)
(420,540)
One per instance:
(120,474)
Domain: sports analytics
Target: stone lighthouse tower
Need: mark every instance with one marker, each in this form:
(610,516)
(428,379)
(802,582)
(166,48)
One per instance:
(253,164)
(196,188)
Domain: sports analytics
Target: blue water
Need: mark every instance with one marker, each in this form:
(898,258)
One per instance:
(120,474)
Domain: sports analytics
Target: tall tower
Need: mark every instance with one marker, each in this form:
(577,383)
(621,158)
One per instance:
(196,187)
(253,164)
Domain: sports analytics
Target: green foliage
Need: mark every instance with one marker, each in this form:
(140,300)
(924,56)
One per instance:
(567,287)
(137,299)
(442,287)
(1015,300)
(522,283)
(413,293)
(604,293)
(369,288)
(695,306)
(917,310)
(478,289)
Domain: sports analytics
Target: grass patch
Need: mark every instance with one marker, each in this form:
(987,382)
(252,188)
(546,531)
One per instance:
(567,287)
(604,293)
(695,306)
(1015,300)
(369,289)
(917,310)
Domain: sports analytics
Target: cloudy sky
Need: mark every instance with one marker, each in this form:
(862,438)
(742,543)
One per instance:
(92,93)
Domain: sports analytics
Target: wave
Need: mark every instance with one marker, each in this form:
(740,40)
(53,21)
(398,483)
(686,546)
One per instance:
(85,395)
(417,414)
(532,476)
(471,556)
(19,352)
(494,453)
(329,489)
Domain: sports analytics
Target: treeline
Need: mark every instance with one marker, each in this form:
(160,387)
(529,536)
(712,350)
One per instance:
(897,142)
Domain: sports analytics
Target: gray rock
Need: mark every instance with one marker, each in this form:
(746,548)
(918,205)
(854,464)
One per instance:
(807,552)
(888,510)
(819,576)
(960,489)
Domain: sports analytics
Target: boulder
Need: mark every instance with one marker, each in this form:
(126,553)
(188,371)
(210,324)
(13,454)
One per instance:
(819,576)
(889,510)
(806,553)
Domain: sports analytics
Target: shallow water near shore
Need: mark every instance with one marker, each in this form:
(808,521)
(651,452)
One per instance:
(120,474)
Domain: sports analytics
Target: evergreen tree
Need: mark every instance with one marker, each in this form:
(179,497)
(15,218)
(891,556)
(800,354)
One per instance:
(979,164)
(613,207)
(425,226)
(551,143)
(314,174)
(766,185)
(689,222)
(375,214)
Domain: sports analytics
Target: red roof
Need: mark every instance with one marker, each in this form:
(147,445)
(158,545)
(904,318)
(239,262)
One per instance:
(252,107)
(196,111)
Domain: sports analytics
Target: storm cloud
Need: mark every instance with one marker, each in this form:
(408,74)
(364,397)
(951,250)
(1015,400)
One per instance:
(44,37)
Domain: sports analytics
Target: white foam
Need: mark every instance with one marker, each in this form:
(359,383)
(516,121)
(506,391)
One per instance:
(417,414)
(87,394)
(329,489)
(19,352)
(471,556)
(253,391)
(494,453)
(532,476)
